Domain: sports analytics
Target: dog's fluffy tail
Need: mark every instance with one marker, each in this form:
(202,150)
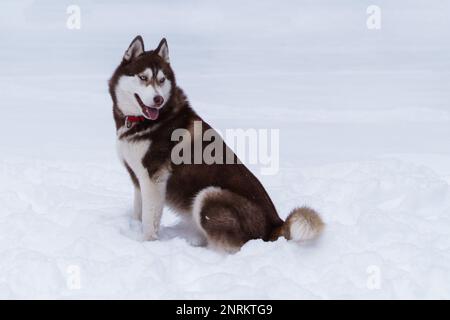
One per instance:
(302,224)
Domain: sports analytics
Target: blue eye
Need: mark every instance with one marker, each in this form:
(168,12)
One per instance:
(143,78)
(162,80)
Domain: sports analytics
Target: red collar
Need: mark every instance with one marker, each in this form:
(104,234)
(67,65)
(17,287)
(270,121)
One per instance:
(130,120)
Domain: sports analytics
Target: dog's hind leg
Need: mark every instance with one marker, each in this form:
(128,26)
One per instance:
(228,220)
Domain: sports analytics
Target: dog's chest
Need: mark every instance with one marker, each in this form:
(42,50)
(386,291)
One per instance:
(132,152)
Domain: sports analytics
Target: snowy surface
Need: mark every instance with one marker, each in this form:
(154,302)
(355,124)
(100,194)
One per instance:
(364,119)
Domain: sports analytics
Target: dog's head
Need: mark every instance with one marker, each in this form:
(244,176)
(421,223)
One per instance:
(144,81)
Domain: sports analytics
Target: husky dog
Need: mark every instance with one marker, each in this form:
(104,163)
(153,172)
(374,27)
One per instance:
(226,202)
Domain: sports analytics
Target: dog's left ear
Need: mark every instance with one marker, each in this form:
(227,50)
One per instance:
(163,50)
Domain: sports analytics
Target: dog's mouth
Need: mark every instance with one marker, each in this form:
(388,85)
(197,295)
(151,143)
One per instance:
(151,113)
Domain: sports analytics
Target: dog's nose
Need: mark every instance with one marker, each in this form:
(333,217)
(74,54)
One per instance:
(158,100)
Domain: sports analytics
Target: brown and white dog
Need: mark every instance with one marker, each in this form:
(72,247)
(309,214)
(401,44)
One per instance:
(226,201)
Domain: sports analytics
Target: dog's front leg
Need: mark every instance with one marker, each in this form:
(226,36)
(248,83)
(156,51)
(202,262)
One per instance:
(153,197)
(137,209)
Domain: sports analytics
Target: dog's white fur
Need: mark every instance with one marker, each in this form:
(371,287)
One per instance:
(127,86)
(150,196)
(302,230)
(137,205)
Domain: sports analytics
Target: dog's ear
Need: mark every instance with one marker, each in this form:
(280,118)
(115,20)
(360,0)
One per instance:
(135,49)
(163,50)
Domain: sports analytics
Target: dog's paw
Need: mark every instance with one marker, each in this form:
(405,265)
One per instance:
(150,236)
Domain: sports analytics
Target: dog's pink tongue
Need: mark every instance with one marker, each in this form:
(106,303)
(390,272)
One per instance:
(151,113)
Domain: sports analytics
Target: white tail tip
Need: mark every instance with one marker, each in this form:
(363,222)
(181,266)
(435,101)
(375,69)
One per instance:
(303,224)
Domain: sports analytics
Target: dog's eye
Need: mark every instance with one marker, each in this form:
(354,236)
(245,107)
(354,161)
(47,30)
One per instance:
(162,80)
(143,78)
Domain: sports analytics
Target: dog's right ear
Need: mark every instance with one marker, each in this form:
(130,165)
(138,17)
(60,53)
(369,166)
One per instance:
(135,49)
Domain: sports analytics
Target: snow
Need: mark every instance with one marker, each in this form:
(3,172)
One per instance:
(364,120)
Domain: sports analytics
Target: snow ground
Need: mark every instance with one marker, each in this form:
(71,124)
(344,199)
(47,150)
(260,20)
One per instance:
(364,119)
